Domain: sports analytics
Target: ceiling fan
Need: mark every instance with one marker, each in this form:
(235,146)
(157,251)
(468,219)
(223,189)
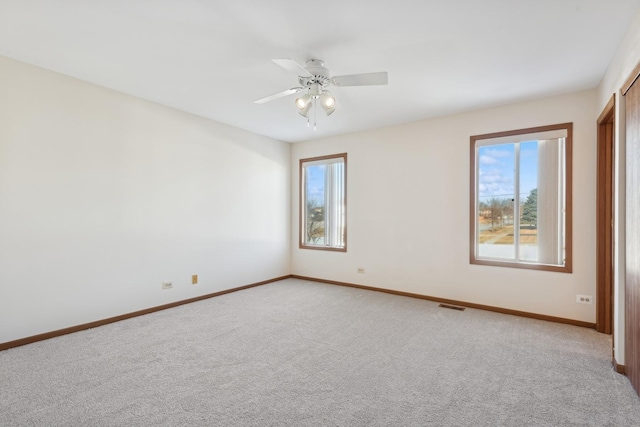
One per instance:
(315,79)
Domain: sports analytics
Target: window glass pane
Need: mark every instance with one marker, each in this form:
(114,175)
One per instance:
(315,204)
(496,165)
(528,201)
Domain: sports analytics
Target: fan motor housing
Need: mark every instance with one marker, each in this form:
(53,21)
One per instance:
(321,75)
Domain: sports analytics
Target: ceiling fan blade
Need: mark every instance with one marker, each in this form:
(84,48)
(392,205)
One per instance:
(293,66)
(278,95)
(366,79)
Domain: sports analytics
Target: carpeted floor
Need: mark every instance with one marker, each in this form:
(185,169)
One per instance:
(297,353)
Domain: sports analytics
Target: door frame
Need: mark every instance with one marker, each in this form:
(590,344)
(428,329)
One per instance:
(605,218)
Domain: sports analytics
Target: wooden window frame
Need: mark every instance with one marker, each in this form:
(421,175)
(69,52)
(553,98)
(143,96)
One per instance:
(473,259)
(302,210)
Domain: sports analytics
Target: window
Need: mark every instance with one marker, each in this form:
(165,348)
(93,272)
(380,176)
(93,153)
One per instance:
(521,198)
(323,202)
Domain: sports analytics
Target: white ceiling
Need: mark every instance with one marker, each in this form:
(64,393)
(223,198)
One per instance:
(213,58)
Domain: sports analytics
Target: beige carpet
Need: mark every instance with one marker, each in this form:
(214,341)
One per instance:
(296,353)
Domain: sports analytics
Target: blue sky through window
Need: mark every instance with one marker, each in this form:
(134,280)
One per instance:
(315,183)
(497,167)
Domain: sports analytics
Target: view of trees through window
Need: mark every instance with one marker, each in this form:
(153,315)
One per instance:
(498,178)
(496,220)
(499,213)
(315,221)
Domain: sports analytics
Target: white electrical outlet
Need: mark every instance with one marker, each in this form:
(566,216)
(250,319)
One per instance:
(584,299)
(167,285)
(361,270)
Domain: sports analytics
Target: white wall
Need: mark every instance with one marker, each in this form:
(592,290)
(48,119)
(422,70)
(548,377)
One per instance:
(622,64)
(104,196)
(408,210)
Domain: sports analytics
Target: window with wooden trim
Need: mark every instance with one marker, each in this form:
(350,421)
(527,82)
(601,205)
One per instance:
(521,198)
(323,202)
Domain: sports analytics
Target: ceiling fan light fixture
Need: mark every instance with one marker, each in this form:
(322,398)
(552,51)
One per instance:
(304,111)
(328,102)
(303,102)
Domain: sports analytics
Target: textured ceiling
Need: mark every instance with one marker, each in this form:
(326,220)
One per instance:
(213,58)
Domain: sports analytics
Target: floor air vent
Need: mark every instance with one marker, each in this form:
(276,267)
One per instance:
(452,307)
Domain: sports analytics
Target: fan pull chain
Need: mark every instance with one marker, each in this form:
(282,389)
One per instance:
(315,113)
(309,118)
